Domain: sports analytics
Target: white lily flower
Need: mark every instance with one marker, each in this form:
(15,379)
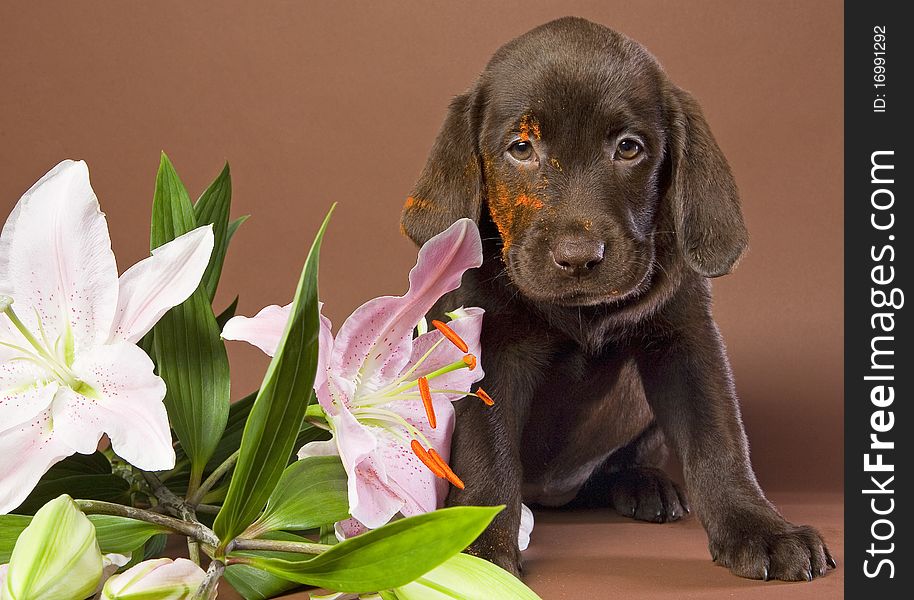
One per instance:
(70,369)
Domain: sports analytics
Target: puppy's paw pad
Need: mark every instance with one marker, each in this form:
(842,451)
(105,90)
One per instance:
(647,495)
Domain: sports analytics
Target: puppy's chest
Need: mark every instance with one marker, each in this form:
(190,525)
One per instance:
(585,410)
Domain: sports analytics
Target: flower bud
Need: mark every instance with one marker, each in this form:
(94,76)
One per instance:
(159,578)
(56,557)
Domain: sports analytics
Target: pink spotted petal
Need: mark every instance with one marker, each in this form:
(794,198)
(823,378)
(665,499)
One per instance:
(148,289)
(374,343)
(371,500)
(58,258)
(348,529)
(127,406)
(27,451)
(419,488)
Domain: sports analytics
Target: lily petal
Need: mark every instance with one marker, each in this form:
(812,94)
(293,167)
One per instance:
(23,392)
(420,490)
(59,260)
(526,527)
(371,500)
(374,343)
(148,289)
(319,448)
(6,240)
(348,529)
(26,453)
(468,327)
(125,402)
(265,330)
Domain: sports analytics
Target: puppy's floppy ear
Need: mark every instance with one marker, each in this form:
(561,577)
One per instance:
(702,193)
(450,186)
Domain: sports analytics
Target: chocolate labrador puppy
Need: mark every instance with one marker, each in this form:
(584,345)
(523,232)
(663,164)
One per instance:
(605,204)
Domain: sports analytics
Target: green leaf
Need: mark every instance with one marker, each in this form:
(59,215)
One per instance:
(229,312)
(254,584)
(468,578)
(388,557)
(122,535)
(213,207)
(114,534)
(155,546)
(110,488)
(80,464)
(277,414)
(251,582)
(10,528)
(190,355)
(310,493)
(234,225)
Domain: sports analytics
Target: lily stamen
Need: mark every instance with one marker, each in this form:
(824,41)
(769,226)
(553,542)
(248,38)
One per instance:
(448,472)
(426,394)
(459,364)
(470,361)
(451,335)
(482,395)
(390,416)
(41,356)
(427,459)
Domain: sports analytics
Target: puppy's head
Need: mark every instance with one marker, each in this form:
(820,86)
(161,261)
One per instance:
(586,158)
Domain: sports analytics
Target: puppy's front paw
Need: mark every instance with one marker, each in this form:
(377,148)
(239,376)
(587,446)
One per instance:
(497,549)
(772,549)
(647,495)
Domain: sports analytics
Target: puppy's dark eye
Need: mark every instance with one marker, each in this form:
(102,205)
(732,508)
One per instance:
(628,149)
(521,150)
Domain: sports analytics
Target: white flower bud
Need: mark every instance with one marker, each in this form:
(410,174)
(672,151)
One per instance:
(160,578)
(56,557)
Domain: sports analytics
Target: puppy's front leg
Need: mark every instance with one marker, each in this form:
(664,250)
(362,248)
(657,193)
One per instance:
(688,384)
(485,453)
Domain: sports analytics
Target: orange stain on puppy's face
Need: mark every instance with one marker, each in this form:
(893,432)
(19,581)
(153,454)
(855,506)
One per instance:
(513,206)
(528,126)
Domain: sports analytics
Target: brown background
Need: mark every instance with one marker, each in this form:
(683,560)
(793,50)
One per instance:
(320,102)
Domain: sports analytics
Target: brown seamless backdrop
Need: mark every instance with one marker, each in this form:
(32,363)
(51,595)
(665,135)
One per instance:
(319,102)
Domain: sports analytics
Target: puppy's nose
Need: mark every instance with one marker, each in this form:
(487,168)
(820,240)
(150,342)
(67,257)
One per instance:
(577,256)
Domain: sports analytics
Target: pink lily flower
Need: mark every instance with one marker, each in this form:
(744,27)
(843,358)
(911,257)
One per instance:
(386,396)
(70,369)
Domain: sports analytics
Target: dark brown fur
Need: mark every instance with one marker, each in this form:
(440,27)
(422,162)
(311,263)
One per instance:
(595,365)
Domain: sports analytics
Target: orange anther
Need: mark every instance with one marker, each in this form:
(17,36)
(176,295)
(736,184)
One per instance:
(470,360)
(451,335)
(427,459)
(485,397)
(448,472)
(426,394)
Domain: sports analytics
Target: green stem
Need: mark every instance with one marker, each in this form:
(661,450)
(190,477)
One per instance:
(194,530)
(279,546)
(213,479)
(193,551)
(193,484)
